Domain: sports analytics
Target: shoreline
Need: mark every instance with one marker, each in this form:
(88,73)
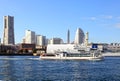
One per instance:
(16,54)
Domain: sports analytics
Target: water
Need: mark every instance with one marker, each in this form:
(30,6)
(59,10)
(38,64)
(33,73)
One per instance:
(31,68)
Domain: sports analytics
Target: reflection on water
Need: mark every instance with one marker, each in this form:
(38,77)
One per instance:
(31,68)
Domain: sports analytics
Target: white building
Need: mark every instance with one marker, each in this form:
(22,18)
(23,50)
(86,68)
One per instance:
(79,36)
(40,40)
(30,37)
(55,41)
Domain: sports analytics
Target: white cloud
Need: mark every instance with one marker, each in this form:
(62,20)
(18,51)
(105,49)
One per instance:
(107,16)
(118,17)
(117,25)
(89,18)
(93,18)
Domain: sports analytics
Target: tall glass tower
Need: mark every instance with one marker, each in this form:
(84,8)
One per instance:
(8,36)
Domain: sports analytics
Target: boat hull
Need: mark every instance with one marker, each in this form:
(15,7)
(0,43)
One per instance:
(70,58)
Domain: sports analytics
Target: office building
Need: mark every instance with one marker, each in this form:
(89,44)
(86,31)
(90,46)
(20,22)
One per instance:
(8,36)
(79,36)
(30,37)
(55,41)
(40,40)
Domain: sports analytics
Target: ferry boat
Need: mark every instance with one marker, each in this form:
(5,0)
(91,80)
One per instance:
(74,53)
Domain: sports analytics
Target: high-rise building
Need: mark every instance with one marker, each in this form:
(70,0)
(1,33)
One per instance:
(8,36)
(79,36)
(68,37)
(30,37)
(55,41)
(86,38)
(40,40)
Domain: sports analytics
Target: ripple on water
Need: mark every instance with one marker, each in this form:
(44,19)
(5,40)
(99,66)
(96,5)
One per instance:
(33,69)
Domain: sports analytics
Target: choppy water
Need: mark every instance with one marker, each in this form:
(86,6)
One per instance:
(31,68)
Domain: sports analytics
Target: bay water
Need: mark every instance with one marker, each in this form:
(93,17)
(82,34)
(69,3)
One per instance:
(32,68)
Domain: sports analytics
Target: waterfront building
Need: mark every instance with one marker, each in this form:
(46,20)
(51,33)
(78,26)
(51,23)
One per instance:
(8,36)
(40,40)
(86,38)
(26,48)
(68,37)
(55,41)
(115,44)
(79,36)
(7,49)
(40,49)
(30,37)
(114,47)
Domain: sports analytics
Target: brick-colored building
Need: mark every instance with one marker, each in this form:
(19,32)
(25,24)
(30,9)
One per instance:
(27,47)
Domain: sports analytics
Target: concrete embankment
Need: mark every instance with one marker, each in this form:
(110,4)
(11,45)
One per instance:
(111,54)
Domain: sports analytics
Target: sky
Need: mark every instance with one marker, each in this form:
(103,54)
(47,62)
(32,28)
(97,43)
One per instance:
(53,18)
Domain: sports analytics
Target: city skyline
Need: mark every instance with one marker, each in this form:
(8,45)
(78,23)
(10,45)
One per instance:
(53,18)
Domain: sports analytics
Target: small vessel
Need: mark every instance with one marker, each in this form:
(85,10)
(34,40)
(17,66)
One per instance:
(93,54)
(72,52)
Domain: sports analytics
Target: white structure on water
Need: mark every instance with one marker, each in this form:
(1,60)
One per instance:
(79,36)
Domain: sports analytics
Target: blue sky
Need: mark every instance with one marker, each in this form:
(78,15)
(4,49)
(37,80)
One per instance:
(52,18)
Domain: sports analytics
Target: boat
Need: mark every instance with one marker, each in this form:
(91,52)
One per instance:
(74,54)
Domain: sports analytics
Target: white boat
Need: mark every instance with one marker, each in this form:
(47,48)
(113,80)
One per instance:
(92,55)
(72,52)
